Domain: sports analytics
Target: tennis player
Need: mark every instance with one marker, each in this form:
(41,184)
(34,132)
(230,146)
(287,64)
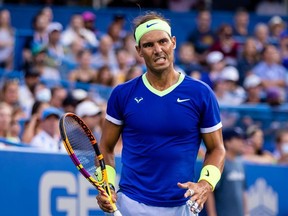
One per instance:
(162,117)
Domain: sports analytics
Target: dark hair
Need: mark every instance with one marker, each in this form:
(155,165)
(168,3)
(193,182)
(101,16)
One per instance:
(70,100)
(240,10)
(223,28)
(80,53)
(202,10)
(36,106)
(230,133)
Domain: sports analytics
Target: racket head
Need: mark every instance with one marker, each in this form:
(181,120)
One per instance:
(78,141)
(81,145)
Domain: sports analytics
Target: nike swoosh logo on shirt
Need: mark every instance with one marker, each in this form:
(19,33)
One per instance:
(149,25)
(182,100)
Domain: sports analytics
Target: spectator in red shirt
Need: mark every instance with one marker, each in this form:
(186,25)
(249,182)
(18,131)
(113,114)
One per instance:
(226,44)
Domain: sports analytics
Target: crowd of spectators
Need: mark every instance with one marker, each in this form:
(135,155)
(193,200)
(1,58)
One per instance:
(261,7)
(242,67)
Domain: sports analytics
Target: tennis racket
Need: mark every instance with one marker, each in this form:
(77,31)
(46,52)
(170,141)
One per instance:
(82,148)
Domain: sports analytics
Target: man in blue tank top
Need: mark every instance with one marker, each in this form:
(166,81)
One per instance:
(162,116)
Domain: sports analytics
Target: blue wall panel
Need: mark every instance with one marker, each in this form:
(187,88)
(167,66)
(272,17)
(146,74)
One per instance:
(43,184)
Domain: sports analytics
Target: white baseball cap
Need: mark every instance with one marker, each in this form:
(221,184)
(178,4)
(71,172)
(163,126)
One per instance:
(230,73)
(251,81)
(276,20)
(79,94)
(54,26)
(87,108)
(214,57)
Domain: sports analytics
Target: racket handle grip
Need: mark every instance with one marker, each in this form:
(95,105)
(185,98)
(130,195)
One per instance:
(117,213)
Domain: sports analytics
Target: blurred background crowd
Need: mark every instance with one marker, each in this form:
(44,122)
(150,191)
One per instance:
(73,67)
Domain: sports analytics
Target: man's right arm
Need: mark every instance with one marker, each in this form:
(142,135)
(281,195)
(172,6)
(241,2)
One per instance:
(110,135)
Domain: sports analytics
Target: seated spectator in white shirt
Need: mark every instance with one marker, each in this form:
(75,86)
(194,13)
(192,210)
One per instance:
(254,94)
(77,31)
(48,138)
(236,93)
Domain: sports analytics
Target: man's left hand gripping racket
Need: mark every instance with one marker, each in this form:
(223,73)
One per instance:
(82,147)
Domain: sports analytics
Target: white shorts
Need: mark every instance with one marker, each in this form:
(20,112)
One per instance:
(129,207)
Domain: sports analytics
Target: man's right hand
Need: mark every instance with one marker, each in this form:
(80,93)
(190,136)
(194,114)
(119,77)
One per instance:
(103,201)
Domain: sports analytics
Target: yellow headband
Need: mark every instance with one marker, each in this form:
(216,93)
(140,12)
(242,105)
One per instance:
(155,24)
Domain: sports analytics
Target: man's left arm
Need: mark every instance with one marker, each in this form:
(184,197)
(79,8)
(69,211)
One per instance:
(215,153)
(210,173)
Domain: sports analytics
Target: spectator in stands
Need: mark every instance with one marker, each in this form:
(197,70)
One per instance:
(58,94)
(241,25)
(55,52)
(15,127)
(226,89)
(10,93)
(84,72)
(253,151)
(37,60)
(48,12)
(275,96)
(32,124)
(116,30)
(187,60)
(281,150)
(221,92)
(48,138)
(77,31)
(252,85)
(124,64)
(91,115)
(5,119)
(134,58)
(216,63)
(203,35)
(71,60)
(226,44)
(270,71)
(129,45)
(89,19)
(27,89)
(7,40)
(134,72)
(69,103)
(276,26)
(248,58)
(229,197)
(105,77)
(40,62)
(38,40)
(261,35)
(43,63)
(105,55)
(235,93)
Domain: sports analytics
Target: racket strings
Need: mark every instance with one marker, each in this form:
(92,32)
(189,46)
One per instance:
(81,145)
